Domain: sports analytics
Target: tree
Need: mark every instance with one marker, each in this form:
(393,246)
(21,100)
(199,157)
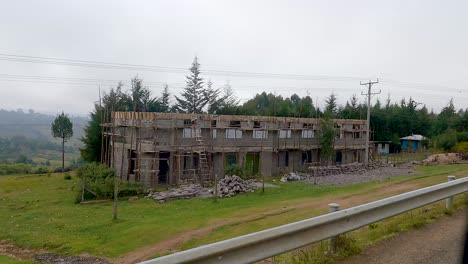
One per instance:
(214,101)
(164,101)
(62,128)
(194,96)
(141,96)
(331,105)
(229,103)
(327,137)
(91,151)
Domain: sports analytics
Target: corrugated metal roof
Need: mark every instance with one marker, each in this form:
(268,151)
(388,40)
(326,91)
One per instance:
(414,138)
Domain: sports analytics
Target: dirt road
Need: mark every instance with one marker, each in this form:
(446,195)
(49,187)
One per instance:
(441,242)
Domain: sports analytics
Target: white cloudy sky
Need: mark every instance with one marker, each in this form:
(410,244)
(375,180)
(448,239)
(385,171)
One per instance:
(416,48)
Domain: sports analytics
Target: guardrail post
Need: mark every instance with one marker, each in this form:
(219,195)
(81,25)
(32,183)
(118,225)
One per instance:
(331,242)
(449,200)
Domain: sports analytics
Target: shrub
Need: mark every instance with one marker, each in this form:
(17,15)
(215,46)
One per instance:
(100,182)
(235,170)
(446,141)
(461,147)
(41,170)
(18,168)
(67,176)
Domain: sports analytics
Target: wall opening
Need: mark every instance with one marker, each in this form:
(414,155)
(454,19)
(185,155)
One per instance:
(307,156)
(133,159)
(284,159)
(339,158)
(163,174)
(234,124)
(252,162)
(230,160)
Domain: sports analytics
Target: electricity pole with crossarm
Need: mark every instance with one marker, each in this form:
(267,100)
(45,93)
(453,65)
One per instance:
(369,95)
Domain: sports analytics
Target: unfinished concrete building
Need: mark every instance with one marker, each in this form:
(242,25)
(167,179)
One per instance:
(169,148)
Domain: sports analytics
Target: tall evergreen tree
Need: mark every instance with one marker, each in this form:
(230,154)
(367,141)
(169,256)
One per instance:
(214,100)
(230,103)
(164,101)
(331,106)
(194,96)
(141,96)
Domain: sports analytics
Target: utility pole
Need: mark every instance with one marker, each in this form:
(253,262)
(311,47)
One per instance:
(369,95)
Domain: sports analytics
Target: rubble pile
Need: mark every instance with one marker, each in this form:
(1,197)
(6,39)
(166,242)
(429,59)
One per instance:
(233,185)
(293,176)
(183,192)
(349,168)
(446,158)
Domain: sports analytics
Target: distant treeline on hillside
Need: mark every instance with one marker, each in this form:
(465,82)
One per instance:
(32,125)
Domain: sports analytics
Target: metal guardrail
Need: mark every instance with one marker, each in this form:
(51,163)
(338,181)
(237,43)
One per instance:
(274,241)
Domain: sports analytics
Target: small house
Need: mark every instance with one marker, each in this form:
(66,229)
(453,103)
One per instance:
(413,143)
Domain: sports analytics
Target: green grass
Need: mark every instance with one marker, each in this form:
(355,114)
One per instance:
(54,157)
(39,212)
(8,260)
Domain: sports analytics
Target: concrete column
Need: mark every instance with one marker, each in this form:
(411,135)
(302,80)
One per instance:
(331,242)
(449,200)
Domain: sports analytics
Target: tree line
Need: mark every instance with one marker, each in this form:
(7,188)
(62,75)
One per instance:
(389,120)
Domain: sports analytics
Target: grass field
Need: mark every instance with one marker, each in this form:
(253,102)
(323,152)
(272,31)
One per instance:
(39,212)
(8,260)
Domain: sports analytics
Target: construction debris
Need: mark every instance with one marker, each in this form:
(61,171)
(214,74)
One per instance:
(183,192)
(62,259)
(233,185)
(350,168)
(447,158)
(292,176)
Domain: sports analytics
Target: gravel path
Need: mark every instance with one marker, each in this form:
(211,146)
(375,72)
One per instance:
(441,242)
(368,176)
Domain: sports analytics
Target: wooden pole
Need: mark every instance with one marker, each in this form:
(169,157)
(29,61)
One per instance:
(216,188)
(131,145)
(116,181)
(106,138)
(83,180)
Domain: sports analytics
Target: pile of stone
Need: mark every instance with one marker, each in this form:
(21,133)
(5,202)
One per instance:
(350,168)
(233,185)
(447,158)
(183,192)
(62,259)
(292,176)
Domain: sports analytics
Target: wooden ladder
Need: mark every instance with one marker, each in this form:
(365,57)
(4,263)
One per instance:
(205,174)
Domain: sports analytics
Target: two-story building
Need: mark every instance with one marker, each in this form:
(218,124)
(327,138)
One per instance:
(165,148)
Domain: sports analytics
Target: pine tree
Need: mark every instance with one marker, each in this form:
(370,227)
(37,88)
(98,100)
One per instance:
(164,101)
(331,105)
(141,96)
(214,101)
(194,96)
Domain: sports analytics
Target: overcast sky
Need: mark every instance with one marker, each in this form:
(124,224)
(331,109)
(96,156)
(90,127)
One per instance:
(416,48)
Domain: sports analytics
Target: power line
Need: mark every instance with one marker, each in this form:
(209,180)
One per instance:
(369,95)
(127,66)
(176,86)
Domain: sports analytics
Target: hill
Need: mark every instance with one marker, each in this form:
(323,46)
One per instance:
(32,125)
